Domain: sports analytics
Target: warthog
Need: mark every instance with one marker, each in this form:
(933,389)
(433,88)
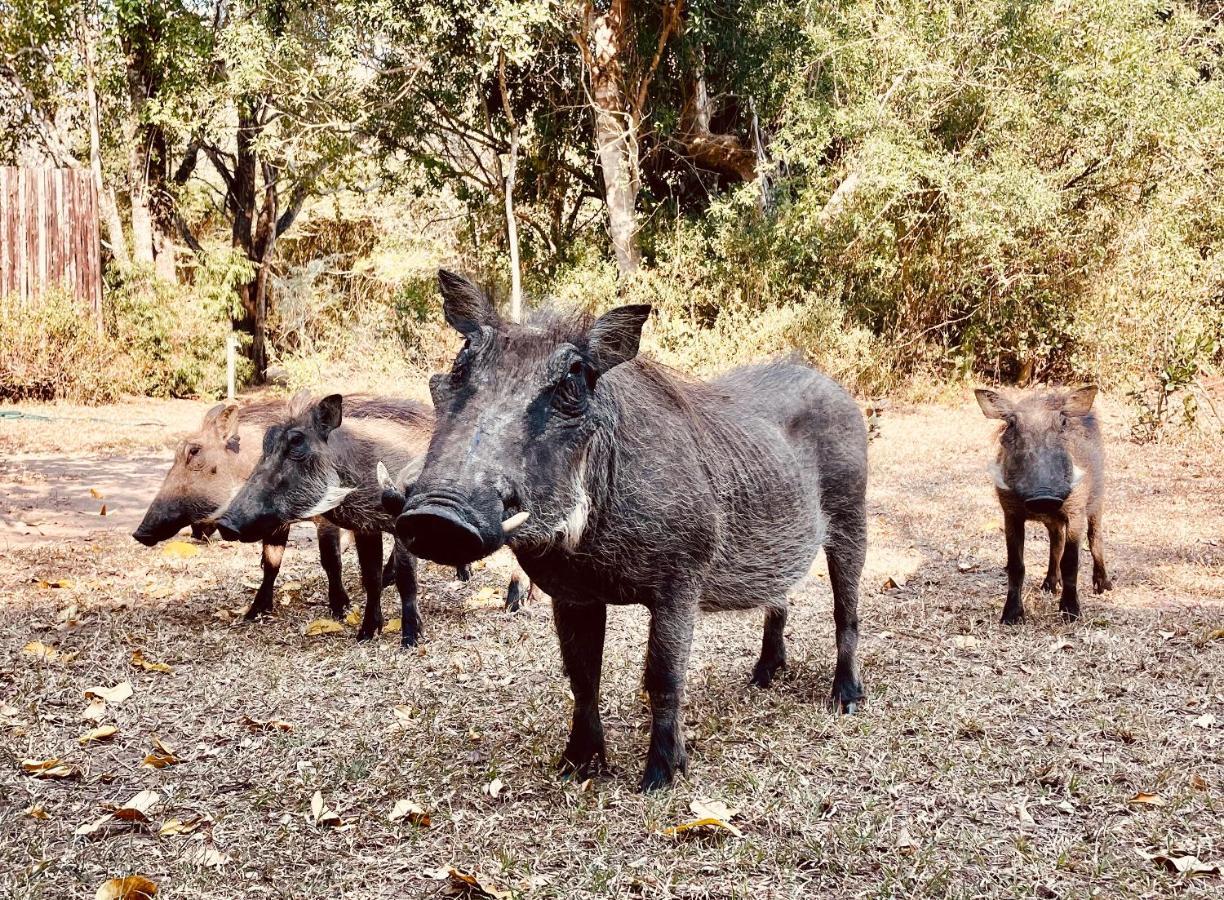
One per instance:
(1050,467)
(318,462)
(315,462)
(614,481)
(209,467)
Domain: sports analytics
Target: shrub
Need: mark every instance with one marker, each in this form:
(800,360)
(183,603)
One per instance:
(51,350)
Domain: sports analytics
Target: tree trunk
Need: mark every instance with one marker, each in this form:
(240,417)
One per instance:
(138,191)
(252,296)
(106,197)
(721,153)
(508,180)
(615,130)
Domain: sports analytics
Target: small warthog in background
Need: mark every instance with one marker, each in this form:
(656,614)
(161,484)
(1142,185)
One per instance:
(614,481)
(1051,468)
(209,468)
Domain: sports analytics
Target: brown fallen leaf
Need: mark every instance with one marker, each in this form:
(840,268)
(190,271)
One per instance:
(322,626)
(116,694)
(102,511)
(182,826)
(49,768)
(50,583)
(47,653)
(131,887)
(139,662)
(480,885)
(406,809)
(393,626)
(180,550)
(269,725)
(1198,782)
(320,814)
(36,812)
(1147,799)
(1185,864)
(96,494)
(894,583)
(137,809)
(101,733)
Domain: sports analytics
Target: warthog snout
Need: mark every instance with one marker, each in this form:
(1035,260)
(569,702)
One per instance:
(1044,505)
(450,530)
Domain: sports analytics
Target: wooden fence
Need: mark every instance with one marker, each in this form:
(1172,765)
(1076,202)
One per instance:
(49,235)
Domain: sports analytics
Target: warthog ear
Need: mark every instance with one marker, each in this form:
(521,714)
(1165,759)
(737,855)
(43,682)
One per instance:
(994,405)
(225,422)
(616,335)
(329,413)
(465,306)
(1079,401)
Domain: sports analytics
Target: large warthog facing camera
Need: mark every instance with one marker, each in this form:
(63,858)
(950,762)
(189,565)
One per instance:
(616,482)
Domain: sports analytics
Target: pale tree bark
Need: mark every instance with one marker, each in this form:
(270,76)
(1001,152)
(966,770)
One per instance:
(615,129)
(619,95)
(106,196)
(508,181)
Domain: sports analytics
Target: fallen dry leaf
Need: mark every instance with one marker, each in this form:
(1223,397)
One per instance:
(49,768)
(393,626)
(712,809)
(479,884)
(905,842)
(1181,863)
(320,814)
(406,809)
(94,711)
(49,583)
(47,653)
(96,494)
(139,662)
(36,812)
(965,641)
(1144,798)
(96,827)
(116,694)
(403,715)
(205,855)
(269,725)
(102,511)
(101,733)
(1206,720)
(180,550)
(352,620)
(137,809)
(323,626)
(1198,782)
(181,826)
(494,788)
(893,583)
(131,887)
(710,822)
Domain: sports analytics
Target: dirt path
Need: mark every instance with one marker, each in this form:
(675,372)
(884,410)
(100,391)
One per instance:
(990,761)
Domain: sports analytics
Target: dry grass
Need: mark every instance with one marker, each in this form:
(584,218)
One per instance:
(1005,756)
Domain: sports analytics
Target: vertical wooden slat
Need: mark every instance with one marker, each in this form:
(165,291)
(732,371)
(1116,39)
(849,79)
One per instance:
(5,264)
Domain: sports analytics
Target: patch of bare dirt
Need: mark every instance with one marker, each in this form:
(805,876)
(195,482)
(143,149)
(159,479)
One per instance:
(1046,759)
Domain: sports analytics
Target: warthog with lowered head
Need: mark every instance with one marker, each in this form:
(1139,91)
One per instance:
(1050,467)
(614,481)
(209,467)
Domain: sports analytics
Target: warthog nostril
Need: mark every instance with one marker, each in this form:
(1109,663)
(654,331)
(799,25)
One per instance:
(1043,505)
(443,534)
(144,537)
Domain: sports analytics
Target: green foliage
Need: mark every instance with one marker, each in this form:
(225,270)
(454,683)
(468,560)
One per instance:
(52,350)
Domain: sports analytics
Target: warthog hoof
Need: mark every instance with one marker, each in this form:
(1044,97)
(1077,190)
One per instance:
(339,604)
(1012,615)
(257,612)
(1070,611)
(1052,584)
(1101,582)
(847,697)
(369,632)
(660,774)
(763,672)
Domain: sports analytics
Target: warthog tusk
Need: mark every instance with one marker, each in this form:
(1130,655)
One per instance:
(384,477)
(511,524)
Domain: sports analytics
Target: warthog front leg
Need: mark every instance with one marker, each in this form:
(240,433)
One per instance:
(369,555)
(406,583)
(1013,609)
(1068,604)
(580,633)
(1058,539)
(273,553)
(846,553)
(329,558)
(667,655)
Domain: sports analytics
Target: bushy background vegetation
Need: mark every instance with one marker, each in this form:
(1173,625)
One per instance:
(911,193)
